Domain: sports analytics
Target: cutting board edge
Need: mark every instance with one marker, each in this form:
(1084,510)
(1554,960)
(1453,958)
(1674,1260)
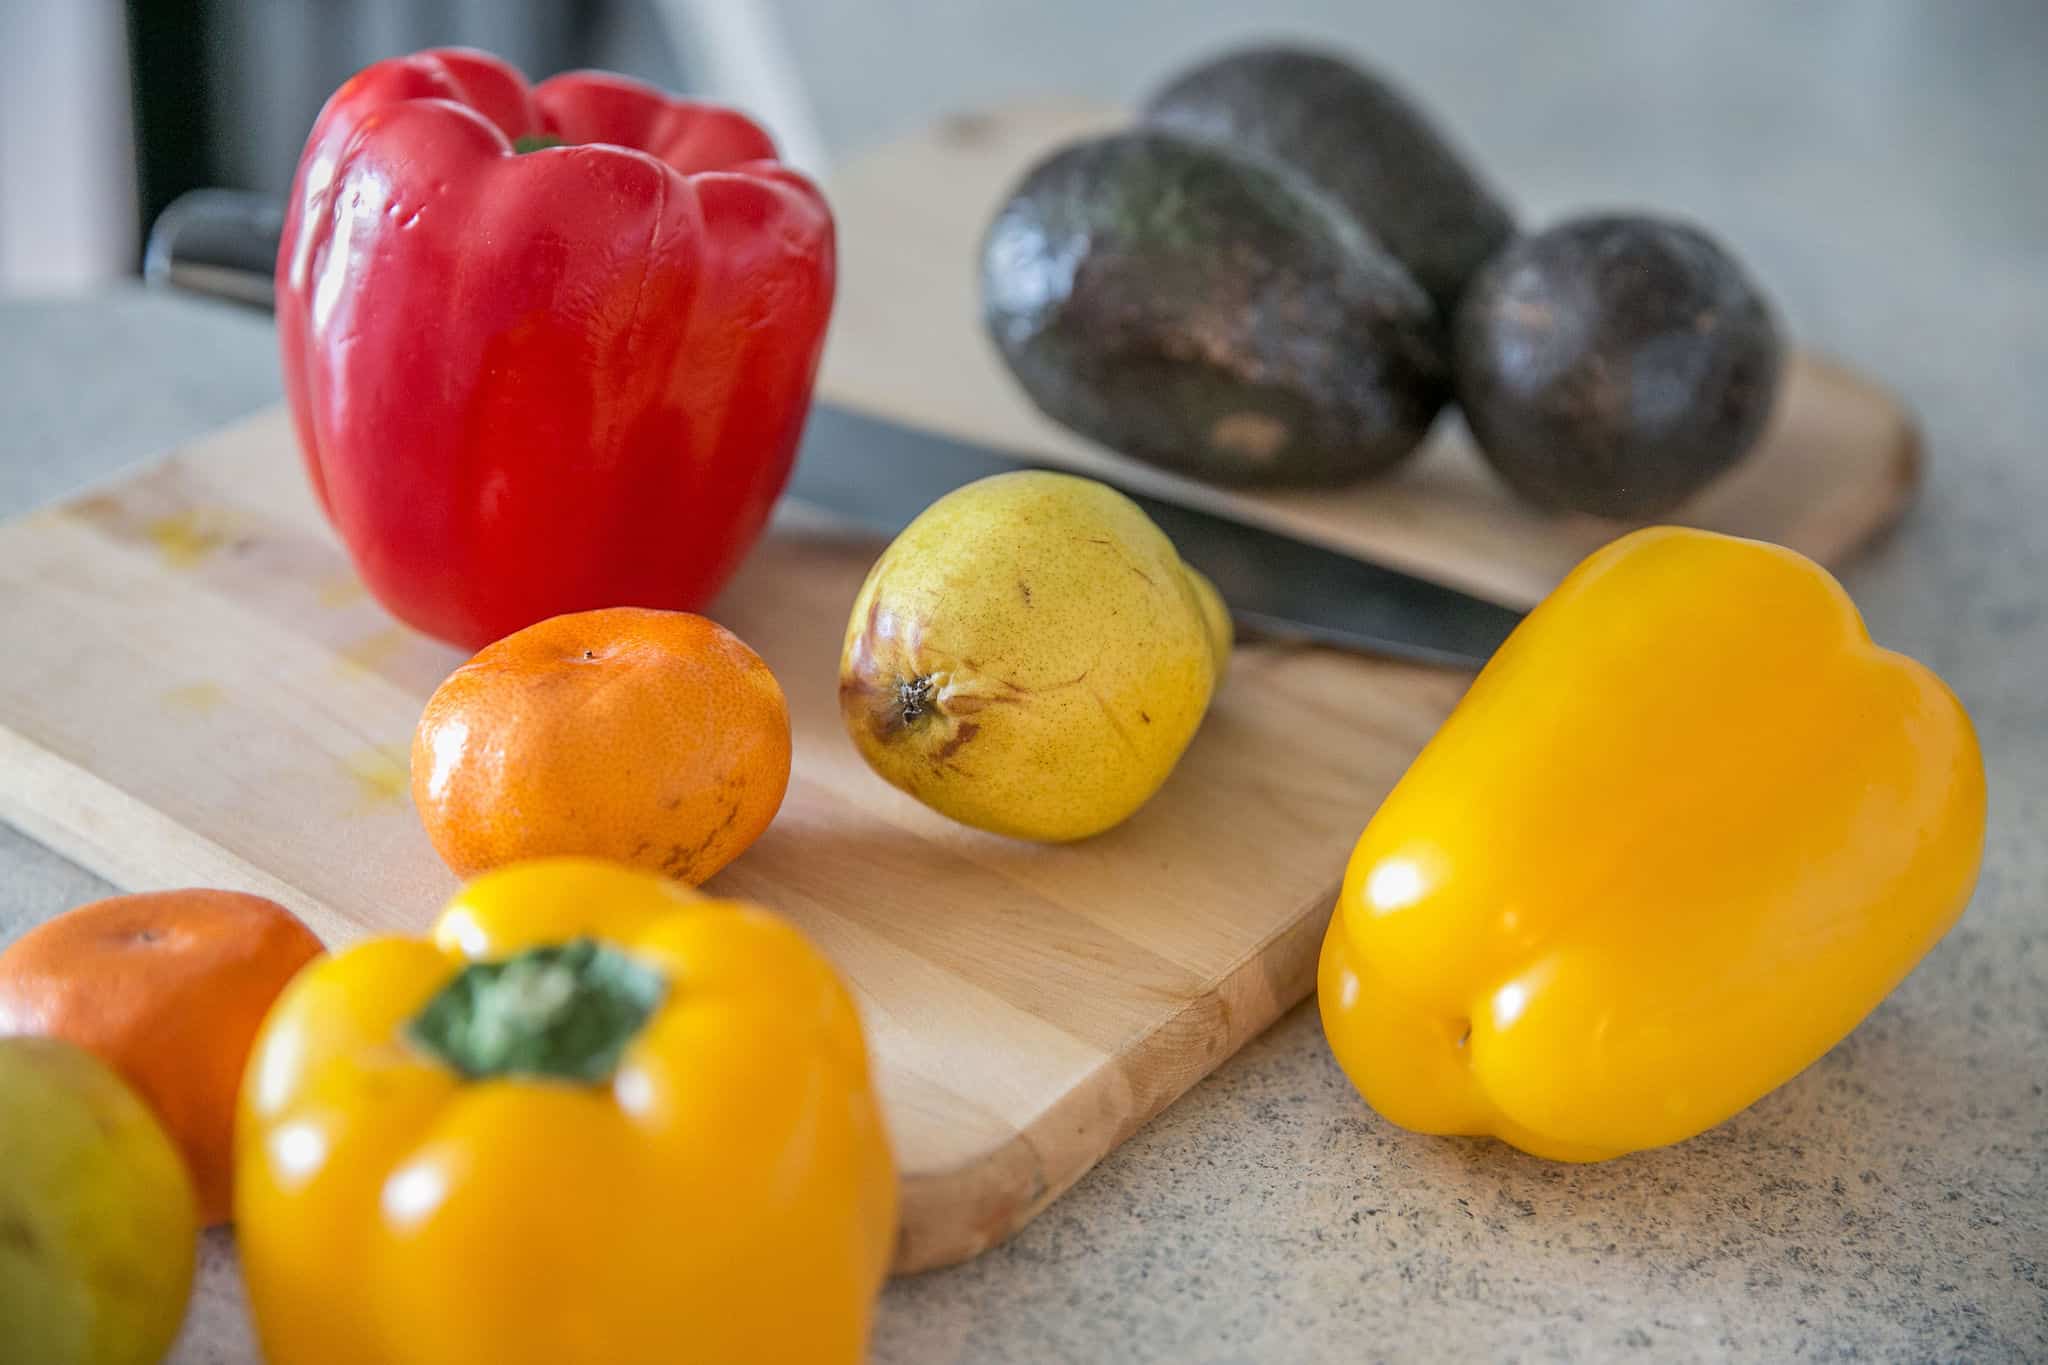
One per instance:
(74,813)
(1895,499)
(249,422)
(959,1213)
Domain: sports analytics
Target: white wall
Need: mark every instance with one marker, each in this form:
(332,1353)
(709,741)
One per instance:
(67,165)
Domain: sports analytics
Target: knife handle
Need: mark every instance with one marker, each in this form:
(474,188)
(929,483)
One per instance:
(222,243)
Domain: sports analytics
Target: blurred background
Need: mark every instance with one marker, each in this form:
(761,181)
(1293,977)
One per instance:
(108,109)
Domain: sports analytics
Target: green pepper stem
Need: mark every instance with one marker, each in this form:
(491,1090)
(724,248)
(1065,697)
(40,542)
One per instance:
(535,142)
(564,1011)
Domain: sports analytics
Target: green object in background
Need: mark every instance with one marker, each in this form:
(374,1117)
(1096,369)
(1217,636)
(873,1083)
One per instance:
(1361,141)
(1209,313)
(1615,364)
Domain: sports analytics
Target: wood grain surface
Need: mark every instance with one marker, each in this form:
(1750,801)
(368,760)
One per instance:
(199,691)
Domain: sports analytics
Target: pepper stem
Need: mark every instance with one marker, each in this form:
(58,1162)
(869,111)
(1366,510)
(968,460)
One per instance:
(564,1011)
(535,142)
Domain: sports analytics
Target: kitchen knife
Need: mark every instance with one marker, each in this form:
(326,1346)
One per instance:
(880,474)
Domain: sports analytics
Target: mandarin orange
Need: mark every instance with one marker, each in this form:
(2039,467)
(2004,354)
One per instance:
(168,988)
(655,738)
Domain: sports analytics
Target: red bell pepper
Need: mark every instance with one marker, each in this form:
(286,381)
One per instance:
(548,348)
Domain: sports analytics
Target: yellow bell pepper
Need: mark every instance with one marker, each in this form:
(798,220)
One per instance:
(1685,831)
(597,1118)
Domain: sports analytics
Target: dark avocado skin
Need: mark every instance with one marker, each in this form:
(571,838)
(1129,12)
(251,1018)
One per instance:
(1203,312)
(1615,364)
(1358,140)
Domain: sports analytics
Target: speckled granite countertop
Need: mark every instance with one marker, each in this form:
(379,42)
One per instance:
(1879,167)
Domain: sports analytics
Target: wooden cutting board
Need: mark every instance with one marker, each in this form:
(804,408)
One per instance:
(198,691)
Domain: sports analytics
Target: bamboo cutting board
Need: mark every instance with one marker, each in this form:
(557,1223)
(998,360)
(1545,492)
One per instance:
(198,691)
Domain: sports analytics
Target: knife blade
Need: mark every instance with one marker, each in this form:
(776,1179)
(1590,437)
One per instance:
(879,474)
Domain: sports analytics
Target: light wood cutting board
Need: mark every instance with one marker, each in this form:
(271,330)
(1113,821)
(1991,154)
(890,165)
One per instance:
(197,691)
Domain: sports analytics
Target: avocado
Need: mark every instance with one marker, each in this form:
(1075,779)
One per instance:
(1207,313)
(1357,139)
(1614,364)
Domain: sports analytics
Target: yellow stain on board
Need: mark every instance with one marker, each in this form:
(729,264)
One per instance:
(372,652)
(342,590)
(198,698)
(382,776)
(185,538)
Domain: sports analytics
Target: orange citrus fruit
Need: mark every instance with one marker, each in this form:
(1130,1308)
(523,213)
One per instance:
(168,988)
(655,738)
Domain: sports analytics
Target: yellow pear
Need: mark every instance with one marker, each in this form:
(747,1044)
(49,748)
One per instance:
(1031,657)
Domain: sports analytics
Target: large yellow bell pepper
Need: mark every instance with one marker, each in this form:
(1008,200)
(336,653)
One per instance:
(1687,828)
(597,1118)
